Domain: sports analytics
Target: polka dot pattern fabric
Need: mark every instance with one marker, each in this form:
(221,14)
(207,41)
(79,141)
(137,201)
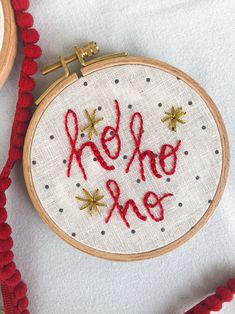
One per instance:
(151,92)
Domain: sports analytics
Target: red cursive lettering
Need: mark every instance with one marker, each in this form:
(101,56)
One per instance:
(137,152)
(115,192)
(110,133)
(163,156)
(158,202)
(77,152)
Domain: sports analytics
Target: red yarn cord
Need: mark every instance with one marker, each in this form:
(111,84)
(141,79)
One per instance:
(7,299)
(14,290)
(215,302)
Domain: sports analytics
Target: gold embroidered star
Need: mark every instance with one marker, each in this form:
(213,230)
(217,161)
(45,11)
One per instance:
(92,202)
(92,122)
(174,117)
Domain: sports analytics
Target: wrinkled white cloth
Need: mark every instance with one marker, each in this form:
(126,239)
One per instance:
(196,36)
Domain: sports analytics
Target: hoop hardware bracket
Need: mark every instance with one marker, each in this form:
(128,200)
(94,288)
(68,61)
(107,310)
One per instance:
(83,55)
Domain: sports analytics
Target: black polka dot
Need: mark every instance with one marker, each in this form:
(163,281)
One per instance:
(82,134)
(125,157)
(168,179)
(46,186)
(121,206)
(116,81)
(186,152)
(138,180)
(85,83)
(129,106)
(209,201)
(160,104)
(133,231)
(148,79)
(64,161)
(103,232)
(73,234)
(111,133)
(162,229)
(180,204)
(178,78)
(34,162)
(216,152)
(190,103)
(95,159)
(197,178)
(61,210)
(51,137)
(99,108)
(78,185)
(203,127)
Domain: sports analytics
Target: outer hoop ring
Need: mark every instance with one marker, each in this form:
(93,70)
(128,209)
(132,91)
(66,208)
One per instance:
(9,45)
(96,67)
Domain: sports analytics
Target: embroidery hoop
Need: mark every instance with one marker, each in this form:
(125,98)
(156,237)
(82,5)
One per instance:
(91,69)
(9,44)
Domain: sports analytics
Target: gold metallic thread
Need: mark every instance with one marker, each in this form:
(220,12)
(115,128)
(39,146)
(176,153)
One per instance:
(92,202)
(92,122)
(173,117)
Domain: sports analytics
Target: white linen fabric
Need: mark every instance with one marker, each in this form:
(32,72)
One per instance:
(150,92)
(1,25)
(195,36)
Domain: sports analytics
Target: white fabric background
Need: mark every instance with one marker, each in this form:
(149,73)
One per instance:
(196,36)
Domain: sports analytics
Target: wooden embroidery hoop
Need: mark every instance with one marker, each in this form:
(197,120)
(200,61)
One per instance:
(111,62)
(9,45)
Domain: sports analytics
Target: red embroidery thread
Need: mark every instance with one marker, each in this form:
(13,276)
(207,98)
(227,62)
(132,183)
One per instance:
(158,202)
(115,193)
(163,156)
(141,155)
(114,135)
(77,153)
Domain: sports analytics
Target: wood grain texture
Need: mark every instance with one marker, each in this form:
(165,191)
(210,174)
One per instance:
(9,46)
(96,67)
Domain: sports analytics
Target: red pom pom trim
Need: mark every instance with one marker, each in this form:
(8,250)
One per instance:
(20,290)
(231,284)
(26,83)
(32,51)
(20,5)
(200,309)
(23,304)
(30,36)
(6,258)
(25,100)
(5,231)
(6,245)
(7,271)
(21,128)
(4,184)
(29,66)
(3,215)
(14,280)
(224,294)
(24,19)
